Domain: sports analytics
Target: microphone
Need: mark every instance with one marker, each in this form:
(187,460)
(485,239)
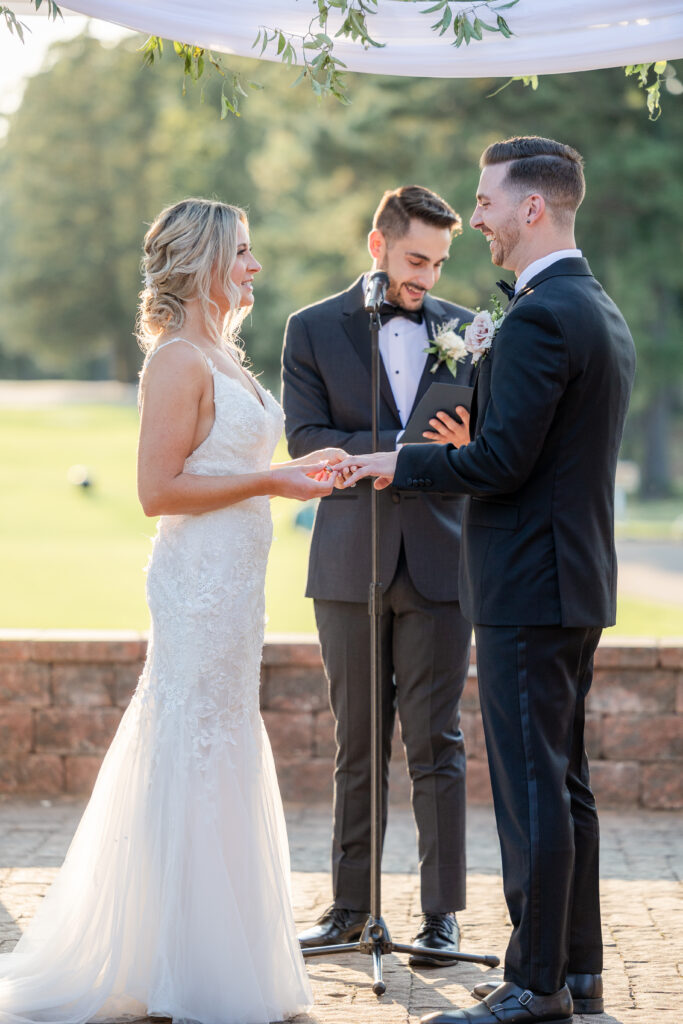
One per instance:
(375,290)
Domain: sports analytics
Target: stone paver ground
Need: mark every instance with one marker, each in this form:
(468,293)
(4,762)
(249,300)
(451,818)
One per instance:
(642,862)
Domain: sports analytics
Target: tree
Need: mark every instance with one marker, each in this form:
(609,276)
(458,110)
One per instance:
(99,145)
(74,194)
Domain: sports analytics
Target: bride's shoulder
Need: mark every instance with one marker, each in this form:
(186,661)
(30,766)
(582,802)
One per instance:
(174,356)
(174,365)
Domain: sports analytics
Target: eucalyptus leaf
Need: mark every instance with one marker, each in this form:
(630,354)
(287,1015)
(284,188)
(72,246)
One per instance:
(466,26)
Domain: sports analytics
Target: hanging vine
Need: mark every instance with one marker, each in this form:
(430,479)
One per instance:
(313,53)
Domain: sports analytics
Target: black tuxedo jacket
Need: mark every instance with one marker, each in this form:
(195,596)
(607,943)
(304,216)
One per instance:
(326,395)
(549,408)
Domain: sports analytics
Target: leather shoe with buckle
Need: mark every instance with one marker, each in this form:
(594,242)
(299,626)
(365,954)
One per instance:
(586,990)
(337,925)
(511,1004)
(438,931)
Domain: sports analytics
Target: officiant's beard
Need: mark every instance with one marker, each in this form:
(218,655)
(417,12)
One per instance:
(396,297)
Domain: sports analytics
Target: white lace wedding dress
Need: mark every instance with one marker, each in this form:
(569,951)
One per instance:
(174,896)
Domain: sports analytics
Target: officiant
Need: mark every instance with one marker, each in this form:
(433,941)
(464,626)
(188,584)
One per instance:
(425,639)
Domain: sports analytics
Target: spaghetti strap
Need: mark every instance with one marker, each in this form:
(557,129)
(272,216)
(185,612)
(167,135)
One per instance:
(158,348)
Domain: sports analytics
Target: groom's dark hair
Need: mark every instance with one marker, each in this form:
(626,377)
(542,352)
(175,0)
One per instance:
(550,168)
(413,202)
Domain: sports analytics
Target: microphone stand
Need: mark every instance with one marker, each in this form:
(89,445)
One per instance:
(375,940)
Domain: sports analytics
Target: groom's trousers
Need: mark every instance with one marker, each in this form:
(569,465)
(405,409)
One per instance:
(533,681)
(425,657)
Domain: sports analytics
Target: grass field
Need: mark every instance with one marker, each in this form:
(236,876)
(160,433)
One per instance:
(74,557)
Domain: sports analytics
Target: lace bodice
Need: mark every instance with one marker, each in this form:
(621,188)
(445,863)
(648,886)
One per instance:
(205,581)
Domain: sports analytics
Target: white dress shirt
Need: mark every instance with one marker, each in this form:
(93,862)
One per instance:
(545,261)
(402,345)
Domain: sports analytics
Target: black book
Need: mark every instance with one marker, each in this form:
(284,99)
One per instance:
(438,397)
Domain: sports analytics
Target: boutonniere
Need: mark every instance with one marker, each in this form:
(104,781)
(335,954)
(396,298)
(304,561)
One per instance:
(480,333)
(448,346)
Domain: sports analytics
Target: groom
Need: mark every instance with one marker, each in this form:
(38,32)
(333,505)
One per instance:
(425,639)
(538,571)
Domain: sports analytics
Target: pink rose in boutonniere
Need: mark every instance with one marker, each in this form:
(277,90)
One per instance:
(447,346)
(480,333)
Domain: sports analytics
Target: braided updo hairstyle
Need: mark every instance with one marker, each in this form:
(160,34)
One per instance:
(188,247)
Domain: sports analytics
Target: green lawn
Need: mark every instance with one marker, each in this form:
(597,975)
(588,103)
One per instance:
(74,558)
(652,520)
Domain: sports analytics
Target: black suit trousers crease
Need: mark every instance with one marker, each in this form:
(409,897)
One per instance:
(425,649)
(533,682)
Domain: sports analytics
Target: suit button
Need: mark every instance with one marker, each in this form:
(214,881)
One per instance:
(428,482)
(395,498)
(421,482)
(410,481)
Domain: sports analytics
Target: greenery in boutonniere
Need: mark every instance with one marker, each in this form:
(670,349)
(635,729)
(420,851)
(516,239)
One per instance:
(448,346)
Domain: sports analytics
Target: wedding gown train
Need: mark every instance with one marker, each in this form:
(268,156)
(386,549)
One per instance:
(174,896)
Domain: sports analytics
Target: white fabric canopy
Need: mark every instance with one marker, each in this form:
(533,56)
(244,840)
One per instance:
(551,36)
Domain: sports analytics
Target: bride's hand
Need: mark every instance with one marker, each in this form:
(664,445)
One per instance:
(294,480)
(327,455)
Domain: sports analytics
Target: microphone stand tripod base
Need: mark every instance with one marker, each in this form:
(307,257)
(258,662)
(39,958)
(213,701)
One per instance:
(376,942)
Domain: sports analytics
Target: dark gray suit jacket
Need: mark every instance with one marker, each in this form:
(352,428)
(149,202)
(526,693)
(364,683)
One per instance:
(326,395)
(548,415)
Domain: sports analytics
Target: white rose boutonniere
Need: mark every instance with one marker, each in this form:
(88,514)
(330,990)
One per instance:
(447,346)
(480,333)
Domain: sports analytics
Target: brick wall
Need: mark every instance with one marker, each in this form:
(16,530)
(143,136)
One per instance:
(62,695)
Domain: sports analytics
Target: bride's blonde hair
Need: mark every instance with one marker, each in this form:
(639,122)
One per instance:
(188,246)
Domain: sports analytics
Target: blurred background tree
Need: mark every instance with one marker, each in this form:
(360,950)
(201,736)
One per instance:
(100,144)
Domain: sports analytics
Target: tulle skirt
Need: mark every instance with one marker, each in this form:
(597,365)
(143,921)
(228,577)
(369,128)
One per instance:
(174,896)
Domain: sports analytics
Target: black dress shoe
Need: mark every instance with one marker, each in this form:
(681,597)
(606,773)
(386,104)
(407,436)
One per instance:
(586,990)
(438,931)
(337,925)
(511,1004)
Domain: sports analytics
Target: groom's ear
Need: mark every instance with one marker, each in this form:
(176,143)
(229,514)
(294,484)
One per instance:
(534,207)
(377,245)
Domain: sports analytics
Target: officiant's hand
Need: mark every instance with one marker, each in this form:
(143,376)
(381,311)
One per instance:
(381,465)
(446,430)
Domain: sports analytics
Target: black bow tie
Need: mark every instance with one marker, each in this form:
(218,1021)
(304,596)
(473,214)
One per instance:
(508,289)
(387,313)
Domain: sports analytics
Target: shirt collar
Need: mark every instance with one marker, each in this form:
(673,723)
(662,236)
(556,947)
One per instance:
(545,261)
(401,325)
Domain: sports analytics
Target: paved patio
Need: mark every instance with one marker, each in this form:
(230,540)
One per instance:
(642,863)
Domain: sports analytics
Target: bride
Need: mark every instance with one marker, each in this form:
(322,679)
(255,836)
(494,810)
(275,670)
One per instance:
(174,897)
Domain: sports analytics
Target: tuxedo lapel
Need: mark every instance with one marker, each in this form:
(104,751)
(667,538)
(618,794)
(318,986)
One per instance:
(474,408)
(355,321)
(434,317)
(571,266)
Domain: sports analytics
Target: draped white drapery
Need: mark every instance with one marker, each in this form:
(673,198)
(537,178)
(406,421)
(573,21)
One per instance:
(551,36)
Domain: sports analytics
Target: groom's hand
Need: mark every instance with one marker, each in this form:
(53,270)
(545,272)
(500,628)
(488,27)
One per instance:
(446,430)
(380,464)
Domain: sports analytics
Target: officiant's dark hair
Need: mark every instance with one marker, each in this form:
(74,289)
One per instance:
(413,202)
(550,168)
